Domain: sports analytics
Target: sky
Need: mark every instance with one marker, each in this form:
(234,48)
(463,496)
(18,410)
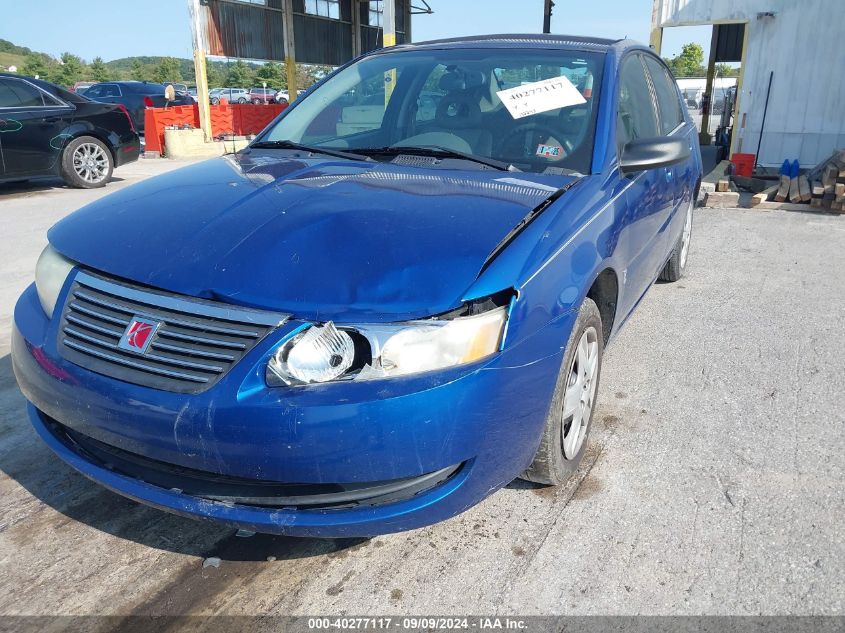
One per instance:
(118,28)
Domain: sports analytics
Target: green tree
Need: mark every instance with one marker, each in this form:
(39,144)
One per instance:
(239,75)
(726,70)
(167,70)
(689,63)
(71,70)
(34,66)
(214,76)
(272,73)
(98,70)
(138,71)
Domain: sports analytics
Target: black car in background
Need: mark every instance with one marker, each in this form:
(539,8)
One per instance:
(46,130)
(136,96)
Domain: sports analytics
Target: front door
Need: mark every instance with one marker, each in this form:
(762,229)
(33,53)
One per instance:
(31,122)
(649,194)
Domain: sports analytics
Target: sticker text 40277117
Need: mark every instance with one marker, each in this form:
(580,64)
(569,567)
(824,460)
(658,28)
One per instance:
(540,96)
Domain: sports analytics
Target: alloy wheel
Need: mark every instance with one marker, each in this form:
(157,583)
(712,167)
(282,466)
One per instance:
(580,393)
(90,162)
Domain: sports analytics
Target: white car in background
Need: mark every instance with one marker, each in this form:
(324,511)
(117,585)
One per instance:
(282,97)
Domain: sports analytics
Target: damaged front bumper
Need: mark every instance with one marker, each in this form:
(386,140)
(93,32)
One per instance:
(344,459)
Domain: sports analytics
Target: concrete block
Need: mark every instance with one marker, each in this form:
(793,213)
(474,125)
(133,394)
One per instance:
(191,144)
(721,200)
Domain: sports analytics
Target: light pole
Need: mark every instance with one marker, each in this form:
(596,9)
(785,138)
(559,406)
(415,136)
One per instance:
(547,16)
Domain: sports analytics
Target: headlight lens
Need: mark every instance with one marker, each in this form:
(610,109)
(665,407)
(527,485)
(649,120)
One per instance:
(51,271)
(324,353)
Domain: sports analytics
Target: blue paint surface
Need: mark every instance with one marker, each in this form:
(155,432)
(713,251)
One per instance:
(322,238)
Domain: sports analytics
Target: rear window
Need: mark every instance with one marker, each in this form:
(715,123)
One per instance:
(146,88)
(19,94)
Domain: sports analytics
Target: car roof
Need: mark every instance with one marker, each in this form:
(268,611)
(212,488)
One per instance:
(524,40)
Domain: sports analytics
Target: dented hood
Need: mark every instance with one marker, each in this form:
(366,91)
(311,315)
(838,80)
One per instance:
(324,239)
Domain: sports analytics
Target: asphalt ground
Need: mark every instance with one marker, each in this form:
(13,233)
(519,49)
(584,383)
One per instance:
(713,481)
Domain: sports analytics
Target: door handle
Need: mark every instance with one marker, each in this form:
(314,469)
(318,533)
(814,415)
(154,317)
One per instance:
(52,119)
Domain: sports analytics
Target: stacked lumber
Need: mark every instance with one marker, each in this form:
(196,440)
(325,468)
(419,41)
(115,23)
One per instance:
(828,188)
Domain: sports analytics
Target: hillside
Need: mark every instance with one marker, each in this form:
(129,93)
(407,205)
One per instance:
(71,68)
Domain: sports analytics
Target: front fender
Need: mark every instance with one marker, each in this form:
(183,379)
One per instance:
(553,263)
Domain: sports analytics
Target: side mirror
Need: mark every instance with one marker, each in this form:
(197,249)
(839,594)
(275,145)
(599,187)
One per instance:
(651,153)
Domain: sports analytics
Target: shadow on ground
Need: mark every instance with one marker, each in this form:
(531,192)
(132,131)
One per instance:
(38,184)
(27,460)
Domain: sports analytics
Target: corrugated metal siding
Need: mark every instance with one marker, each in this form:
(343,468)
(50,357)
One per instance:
(251,31)
(322,40)
(245,31)
(802,44)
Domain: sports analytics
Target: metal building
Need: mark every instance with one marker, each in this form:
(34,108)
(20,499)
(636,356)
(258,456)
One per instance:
(796,43)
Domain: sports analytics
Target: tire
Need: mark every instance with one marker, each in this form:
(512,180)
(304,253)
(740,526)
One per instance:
(256,101)
(241,100)
(677,264)
(215,101)
(560,452)
(87,163)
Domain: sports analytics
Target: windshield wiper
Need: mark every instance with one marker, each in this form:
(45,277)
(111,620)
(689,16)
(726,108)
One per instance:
(308,148)
(438,152)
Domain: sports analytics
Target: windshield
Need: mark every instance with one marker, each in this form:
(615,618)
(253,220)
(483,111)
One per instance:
(532,109)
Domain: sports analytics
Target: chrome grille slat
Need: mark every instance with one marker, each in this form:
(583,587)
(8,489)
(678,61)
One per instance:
(186,324)
(192,352)
(196,343)
(125,361)
(94,327)
(155,357)
(76,307)
(203,341)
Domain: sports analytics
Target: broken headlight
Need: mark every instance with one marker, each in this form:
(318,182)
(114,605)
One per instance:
(326,352)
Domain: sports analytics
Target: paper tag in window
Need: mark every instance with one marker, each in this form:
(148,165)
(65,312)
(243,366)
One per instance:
(540,96)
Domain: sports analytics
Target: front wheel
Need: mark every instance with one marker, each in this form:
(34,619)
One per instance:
(87,163)
(677,264)
(242,100)
(570,415)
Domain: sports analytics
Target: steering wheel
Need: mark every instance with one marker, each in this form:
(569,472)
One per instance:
(532,132)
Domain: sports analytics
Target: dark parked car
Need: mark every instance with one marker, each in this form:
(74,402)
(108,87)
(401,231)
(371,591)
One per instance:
(136,96)
(46,130)
(347,331)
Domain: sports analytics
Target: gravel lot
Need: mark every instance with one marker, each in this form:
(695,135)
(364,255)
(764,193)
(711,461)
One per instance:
(713,482)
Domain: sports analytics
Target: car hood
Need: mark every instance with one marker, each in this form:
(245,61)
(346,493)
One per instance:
(319,239)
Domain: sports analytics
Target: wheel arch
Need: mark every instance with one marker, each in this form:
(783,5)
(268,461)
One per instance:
(604,291)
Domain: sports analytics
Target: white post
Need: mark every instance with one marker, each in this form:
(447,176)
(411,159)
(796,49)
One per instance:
(388,23)
(198,37)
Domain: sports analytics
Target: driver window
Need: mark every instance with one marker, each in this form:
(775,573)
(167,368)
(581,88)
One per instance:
(636,117)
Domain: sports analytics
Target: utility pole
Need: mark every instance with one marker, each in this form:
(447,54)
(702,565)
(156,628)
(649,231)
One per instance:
(290,49)
(547,16)
(388,25)
(198,36)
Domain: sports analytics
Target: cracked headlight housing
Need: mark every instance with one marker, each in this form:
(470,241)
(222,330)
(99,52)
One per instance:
(327,352)
(51,271)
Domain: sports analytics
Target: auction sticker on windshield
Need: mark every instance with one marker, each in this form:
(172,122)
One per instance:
(540,96)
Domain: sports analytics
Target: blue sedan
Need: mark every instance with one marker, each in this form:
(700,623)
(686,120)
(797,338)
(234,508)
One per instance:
(387,307)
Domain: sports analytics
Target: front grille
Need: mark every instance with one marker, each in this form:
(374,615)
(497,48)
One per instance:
(194,346)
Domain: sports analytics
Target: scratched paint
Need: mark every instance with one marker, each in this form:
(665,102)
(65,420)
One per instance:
(10,125)
(59,140)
